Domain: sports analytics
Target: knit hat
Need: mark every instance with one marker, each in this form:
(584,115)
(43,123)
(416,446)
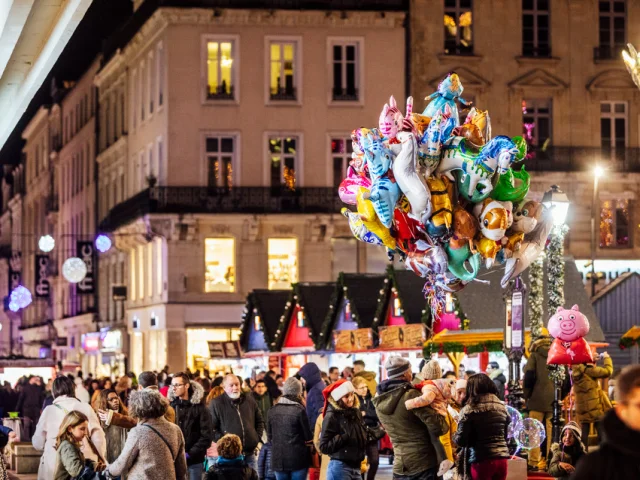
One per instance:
(396,366)
(577,432)
(293,387)
(336,390)
(461,384)
(432,370)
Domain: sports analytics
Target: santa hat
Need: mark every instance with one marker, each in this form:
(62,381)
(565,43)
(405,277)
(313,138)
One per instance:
(336,391)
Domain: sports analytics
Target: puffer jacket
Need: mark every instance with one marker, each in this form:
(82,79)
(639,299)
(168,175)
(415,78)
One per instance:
(195,423)
(235,469)
(264,463)
(538,386)
(617,458)
(241,417)
(368,411)
(500,381)
(370,378)
(288,431)
(410,430)
(482,429)
(591,402)
(314,385)
(563,455)
(344,435)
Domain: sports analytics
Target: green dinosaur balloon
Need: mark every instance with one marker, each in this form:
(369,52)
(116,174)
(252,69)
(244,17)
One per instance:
(512,186)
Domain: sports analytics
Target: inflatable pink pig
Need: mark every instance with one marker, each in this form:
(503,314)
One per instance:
(568,327)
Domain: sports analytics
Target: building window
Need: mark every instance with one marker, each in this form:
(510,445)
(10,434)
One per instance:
(283,152)
(141,272)
(134,98)
(221,67)
(535,28)
(612,29)
(283,262)
(132,275)
(159,159)
(150,172)
(159,264)
(141,82)
(458,27)
(160,75)
(220,153)
(150,267)
(151,73)
(220,265)
(341,150)
(615,221)
(346,74)
(613,124)
(283,71)
(536,122)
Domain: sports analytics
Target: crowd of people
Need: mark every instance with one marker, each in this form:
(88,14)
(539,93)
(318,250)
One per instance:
(317,425)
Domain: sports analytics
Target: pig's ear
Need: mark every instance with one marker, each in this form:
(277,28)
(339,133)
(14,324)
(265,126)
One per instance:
(576,308)
(559,309)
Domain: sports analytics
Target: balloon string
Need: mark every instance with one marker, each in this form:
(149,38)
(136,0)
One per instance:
(515,454)
(571,394)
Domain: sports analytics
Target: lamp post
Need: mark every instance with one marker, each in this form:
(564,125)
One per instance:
(514,339)
(597,173)
(558,203)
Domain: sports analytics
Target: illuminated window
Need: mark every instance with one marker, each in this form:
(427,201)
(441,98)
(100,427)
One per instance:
(159,263)
(220,153)
(283,70)
(256,323)
(220,265)
(397,309)
(535,28)
(612,29)
(220,68)
(346,74)
(458,27)
(536,121)
(283,152)
(283,262)
(615,217)
(341,150)
(613,124)
(132,274)
(140,272)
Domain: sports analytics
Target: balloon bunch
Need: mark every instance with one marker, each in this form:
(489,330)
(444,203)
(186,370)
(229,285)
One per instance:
(528,433)
(443,196)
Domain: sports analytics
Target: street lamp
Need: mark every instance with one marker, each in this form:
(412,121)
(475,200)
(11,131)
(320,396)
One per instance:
(558,203)
(597,173)
(514,339)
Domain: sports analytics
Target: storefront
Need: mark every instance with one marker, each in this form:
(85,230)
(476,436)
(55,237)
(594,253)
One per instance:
(199,354)
(112,357)
(11,370)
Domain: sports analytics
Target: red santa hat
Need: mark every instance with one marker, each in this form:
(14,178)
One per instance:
(336,391)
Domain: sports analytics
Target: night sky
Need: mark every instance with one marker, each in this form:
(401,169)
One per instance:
(103,18)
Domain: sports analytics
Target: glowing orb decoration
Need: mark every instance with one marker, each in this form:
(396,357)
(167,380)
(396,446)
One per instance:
(74,270)
(103,243)
(516,422)
(46,243)
(20,298)
(530,434)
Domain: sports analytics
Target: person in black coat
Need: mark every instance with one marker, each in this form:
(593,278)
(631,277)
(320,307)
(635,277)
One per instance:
(314,386)
(495,373)
(289,433)
(187,399)
(344,435)
(619,455)
(30,404)
(482,431)
(370,417)
(238,413)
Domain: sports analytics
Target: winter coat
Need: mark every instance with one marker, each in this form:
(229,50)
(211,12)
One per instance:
(370,379)
(82,394)
(235,469)
(482,429)
(264,463)
(369,416)
(272,388)
(591,402)
(47,430)
(116,437)
(264,404)
(128,422)
(69,461)
(241,417)
(324,459)
(500,380)
(409,430)
(30,401)
(314,385)
(344,435)
(146,456)
(288,431)
(564,455)
(538,386)
(618,456)
(447,439)
(194,422)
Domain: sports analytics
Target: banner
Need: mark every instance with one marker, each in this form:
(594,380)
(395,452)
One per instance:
(353,340)
(86,252)
(224,349)
(43,287)
(402,336)
(15,269)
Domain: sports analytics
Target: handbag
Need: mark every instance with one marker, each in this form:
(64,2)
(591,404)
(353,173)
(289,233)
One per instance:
(375,433)
(174,457)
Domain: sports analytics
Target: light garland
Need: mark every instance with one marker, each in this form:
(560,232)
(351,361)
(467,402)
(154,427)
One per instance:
(536,297)
(555,277)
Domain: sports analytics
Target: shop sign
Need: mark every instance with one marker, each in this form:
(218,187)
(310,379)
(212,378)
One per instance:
(15,269)
(85,251)
(91,342)
(224,349)
(353,340)
(119,293)
(112,340)
(402,336)
(42,276)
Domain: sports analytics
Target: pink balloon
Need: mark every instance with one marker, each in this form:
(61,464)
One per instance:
(568,325)
(349,186)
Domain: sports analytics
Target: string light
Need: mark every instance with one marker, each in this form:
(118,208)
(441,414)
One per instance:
(74,270)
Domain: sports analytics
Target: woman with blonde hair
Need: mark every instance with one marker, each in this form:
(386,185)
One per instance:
(215,392)
(70,461)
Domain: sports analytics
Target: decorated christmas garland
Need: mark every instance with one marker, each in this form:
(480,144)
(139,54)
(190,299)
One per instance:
(536,297)
(431,348)
(626,342)
(555,278)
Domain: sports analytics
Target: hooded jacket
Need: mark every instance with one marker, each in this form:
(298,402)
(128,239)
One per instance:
(591,401)
(538,386)
(241,417)
(314,385)
(344,436)
(289,432)
(235,469)
(194,421)
(408,429)
(564,455)
(618,456)
(500,380)
(370,379)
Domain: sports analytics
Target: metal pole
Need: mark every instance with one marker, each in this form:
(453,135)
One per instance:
(593,234)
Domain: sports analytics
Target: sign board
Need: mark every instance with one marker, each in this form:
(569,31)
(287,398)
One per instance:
(517,321)
(86,252)
(42,276)
(119,293)
(112,340)
(353,340)
(402,336)
(91,342)
(224,349)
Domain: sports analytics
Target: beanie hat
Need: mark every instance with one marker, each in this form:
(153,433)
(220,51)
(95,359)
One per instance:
(293,387)
(494,365)
(432,370)
(461,384)
(336,391)
(577,432)
(396,366)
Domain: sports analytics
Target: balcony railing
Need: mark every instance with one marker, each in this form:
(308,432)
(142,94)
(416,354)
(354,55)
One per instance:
(607,52)
(283,93)
(576,159)
(248,200)
(344,94)
(222,92)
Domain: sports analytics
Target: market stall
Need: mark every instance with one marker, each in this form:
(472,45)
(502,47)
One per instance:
(629,341)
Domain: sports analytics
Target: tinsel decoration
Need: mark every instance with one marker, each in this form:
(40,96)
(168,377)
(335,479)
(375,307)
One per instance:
(536,297)
(431,348)
(555,278)
(627,342)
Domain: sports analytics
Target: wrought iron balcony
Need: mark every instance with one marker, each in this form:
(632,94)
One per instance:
(608,52)
(222,92)
(344,94)
(248,200)
(577,159)
(283,93)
